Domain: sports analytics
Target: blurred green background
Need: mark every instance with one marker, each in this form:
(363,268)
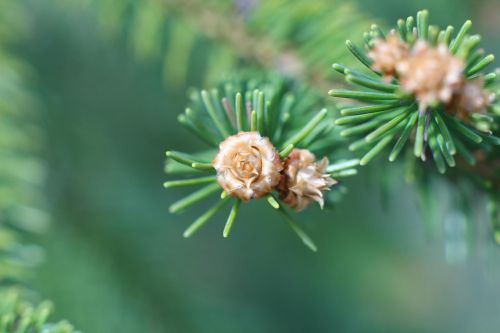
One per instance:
(116,260)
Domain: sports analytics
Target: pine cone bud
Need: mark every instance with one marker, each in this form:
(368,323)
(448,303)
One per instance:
(432,74)
(472,98)
(304,180)
(248,166)
(387,54)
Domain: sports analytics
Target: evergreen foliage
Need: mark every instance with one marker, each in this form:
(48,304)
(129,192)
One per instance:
(289,116)
(288,36)
(22,172)
(291,42)
(17,316)
(22,178)
(391,116)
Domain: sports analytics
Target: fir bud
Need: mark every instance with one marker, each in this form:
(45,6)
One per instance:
(387,54)
(304,179)
(472,98)
(248,166)
(431,74)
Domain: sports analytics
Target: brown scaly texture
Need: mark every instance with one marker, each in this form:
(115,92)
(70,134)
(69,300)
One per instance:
(387,54)
(304,180)
(472,98)
(431,74)
(248,166)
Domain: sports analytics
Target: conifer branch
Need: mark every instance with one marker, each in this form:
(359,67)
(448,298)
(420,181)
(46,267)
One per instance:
(453,111)
(248,165)
(22,174)
(241,32)
(17,316)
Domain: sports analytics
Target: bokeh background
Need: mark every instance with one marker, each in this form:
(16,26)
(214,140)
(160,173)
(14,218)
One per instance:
(115,260)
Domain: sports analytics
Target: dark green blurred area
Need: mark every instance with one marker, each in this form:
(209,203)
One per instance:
(116,259)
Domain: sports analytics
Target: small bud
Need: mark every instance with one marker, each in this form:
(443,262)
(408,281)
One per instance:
(304,180)
(472,98)
(386,54)
(248,166)
(432,74)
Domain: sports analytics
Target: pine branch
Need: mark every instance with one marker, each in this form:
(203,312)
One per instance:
(237,30)
(394,118)
(17,316)
(22,174)
(267,35)
(456,118)
(258,126)
(232,30)
(294,56)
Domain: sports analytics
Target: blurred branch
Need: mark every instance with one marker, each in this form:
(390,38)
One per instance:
(232,30)
(17,316)
(290,37)
(23,177)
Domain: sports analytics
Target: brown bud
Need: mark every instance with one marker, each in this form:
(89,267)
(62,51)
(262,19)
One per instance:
(432,74)
(387,53)
(248,166)
(472,98)
(304,180)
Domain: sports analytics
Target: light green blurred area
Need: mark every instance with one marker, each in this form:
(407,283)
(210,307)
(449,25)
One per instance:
(116,259)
